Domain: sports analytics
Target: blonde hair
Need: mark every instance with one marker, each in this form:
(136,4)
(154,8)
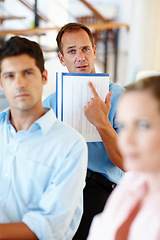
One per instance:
(150,84)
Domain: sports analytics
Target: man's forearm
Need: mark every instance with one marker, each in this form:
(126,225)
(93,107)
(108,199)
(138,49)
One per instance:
(109,138)
(16,231)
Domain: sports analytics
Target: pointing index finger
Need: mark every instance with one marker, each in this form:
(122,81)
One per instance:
(93,90)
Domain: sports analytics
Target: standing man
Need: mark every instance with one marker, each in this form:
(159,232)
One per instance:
(40,191)
(78,53)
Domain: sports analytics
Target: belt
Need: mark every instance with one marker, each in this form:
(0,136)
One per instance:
(101,179)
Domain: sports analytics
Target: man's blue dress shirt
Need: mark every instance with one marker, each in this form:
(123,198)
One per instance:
(42,176)
(98,160)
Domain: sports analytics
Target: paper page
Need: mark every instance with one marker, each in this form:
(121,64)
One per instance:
(76,94)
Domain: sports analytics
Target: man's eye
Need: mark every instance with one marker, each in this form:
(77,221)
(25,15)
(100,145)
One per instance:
(71,51)
(27,73)
(9,76)
(85,49)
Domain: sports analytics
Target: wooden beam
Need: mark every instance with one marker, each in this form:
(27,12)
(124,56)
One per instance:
(95,12)
(110,25)
(38,31)
(3,18)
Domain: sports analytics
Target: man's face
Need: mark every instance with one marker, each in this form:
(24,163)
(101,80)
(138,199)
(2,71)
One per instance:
(78,54)
(22,82)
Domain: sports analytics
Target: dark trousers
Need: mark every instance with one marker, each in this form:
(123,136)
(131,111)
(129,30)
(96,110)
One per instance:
(96,192)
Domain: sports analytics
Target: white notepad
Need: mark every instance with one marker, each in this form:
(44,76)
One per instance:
(73,93)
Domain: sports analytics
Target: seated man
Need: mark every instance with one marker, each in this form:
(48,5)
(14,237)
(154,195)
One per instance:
(42,175)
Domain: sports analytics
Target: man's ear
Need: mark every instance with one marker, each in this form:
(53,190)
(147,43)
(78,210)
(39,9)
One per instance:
(61,59)
(45,77)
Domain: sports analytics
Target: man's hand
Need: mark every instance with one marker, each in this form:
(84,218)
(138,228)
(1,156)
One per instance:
(96,111)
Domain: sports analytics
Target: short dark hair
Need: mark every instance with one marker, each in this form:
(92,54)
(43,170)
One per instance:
(150,84)
(18,45)
(71,27)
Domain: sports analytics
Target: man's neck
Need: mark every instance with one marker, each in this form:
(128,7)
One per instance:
(23,120)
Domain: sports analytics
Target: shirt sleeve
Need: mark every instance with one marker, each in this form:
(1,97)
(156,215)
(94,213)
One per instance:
(50,102)
(117,92)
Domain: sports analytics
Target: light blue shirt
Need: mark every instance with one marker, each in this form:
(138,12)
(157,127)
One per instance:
(98,160)
(42,176)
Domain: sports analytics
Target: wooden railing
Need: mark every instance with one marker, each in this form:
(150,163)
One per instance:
(32,8)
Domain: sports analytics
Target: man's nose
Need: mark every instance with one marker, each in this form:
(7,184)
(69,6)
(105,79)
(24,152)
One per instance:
(20,81)
(80,56)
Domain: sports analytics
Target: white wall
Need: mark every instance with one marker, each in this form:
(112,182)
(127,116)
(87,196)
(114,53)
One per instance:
(144,45)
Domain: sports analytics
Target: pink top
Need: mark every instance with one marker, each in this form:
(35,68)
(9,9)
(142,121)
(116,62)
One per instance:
(125,204)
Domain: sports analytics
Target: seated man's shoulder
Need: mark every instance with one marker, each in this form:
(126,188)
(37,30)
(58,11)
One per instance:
(67,133)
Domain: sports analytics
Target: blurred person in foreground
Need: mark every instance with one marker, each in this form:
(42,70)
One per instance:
(42,175)
(133,210)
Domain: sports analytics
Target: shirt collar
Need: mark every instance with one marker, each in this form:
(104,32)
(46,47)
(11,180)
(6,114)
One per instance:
(44,123)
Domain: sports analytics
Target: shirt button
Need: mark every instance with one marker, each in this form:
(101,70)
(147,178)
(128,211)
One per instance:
(1,198)
(6,174)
